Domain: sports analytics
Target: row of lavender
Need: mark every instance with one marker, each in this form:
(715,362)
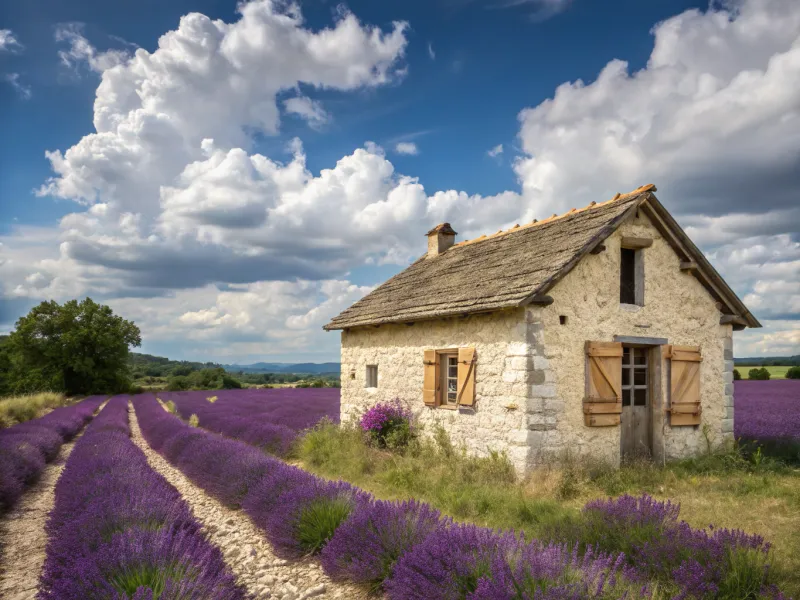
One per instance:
(267,419)
(26,448)
(119,530)
(411,551)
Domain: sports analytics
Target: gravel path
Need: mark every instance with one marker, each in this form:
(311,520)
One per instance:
(22,532)
(245,548)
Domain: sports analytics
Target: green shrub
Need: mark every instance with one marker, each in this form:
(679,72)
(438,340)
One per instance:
(170,406)
(229,383)
(194,420)
(793,373)
(178,383)
(760,374)
(319,520)
(736,375)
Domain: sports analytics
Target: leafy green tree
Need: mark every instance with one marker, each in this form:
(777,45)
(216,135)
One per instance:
(761,374)
(77,348)
(793,373)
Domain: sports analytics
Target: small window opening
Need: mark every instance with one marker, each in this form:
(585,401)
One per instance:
(631,277)
(372,376)
(562,319)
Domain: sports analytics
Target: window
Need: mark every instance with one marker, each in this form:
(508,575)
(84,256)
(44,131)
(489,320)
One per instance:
(631,277)
(449,372)
(372,376)
(634,377)
(449,377)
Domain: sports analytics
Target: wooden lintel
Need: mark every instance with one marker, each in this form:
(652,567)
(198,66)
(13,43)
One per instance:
(688,265)
(598,249)
(644,341)
(543,300)
(636,242)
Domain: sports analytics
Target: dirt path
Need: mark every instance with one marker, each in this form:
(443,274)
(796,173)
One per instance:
(22,534)
(244,546)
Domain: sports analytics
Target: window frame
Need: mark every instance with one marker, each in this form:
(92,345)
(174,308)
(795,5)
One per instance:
(370,374)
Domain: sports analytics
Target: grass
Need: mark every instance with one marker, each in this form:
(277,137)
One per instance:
(774,372)
(18,409)
(726,490)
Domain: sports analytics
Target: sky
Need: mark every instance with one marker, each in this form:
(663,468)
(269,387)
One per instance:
(230,176)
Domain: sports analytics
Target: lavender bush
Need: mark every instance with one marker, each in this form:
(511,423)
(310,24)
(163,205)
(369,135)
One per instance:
(388,424)
(366,547)
(26,448)
(715,563)
(119,530)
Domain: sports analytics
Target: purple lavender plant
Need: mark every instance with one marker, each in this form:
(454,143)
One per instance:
(448,564)
(388,424)
(26,448)
(366,547)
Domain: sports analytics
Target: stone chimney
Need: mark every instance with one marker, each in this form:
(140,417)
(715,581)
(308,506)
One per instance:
(440,238)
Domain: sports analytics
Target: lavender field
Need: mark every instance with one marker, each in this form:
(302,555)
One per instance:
(119,529)
(767,410)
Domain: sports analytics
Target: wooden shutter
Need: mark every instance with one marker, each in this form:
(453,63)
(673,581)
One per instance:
(603,402)
(430,378)
(685,406)
(466,377)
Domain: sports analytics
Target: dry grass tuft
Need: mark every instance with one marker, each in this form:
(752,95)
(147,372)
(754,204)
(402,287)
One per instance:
(18,409)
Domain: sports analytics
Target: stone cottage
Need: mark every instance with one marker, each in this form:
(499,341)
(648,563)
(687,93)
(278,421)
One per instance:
(603,331)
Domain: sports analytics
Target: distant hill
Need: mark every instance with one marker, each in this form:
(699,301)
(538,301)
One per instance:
(768,361)
(161,366)
(300,368)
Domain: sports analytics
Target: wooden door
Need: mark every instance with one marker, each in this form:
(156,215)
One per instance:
(635,436)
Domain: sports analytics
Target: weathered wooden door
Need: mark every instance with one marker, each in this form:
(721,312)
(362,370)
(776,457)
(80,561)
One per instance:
(636,423)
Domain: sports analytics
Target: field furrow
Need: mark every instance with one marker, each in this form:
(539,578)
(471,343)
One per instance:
(23,535)
(244,547)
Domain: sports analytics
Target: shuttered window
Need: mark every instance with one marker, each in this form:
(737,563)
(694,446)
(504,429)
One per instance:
(685,408)
(602,404)
(449,377)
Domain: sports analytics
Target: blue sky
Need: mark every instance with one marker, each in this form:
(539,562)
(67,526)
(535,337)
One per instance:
(408,120)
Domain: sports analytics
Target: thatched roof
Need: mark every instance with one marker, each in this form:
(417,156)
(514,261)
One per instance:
(511,268)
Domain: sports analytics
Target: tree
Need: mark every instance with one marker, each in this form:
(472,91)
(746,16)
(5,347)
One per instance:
(77,348)
(736,375)
(793,373)
(761,374)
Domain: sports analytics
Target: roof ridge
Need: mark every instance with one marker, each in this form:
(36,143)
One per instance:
(592,205)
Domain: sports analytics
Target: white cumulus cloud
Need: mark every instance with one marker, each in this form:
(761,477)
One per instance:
(406,148)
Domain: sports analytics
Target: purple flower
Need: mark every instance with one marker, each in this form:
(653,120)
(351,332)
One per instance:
(366,547)
(387,420)
(448,564)
(26,448)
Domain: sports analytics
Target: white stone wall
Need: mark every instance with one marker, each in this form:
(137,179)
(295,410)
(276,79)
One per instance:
(676,307)
(502,377)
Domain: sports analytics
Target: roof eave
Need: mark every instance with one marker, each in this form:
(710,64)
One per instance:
(705,272)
